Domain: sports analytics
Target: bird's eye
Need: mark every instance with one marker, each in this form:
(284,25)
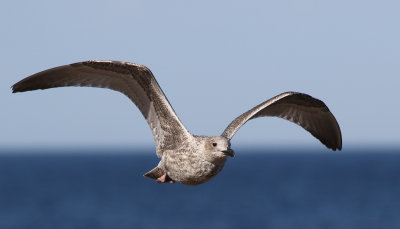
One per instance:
(214,144)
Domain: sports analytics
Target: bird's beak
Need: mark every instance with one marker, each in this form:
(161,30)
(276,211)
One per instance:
(229,152)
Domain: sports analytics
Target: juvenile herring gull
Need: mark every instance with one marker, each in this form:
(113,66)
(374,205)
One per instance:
(185,158)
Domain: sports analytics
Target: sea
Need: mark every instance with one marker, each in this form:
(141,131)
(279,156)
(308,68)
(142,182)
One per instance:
(285,189)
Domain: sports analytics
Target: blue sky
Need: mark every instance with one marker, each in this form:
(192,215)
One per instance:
(213,59)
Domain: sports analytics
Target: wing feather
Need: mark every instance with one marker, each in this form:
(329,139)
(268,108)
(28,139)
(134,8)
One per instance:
(133,80)
(308,112)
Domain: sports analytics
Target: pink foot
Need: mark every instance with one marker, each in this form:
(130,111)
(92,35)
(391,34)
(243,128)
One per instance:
(165,179)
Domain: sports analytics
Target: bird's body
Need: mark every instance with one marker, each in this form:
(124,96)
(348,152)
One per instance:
(185,158)
(197,163)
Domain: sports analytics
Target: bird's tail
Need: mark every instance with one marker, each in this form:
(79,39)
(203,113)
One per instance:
(154,173)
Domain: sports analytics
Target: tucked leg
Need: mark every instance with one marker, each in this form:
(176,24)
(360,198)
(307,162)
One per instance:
(165,179)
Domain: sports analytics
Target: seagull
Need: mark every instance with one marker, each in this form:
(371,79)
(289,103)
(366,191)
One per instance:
(184,157)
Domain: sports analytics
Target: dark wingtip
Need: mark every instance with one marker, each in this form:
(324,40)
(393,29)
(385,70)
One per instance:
(336,147)
(14,88)
(23,85)
(339,144)
(340,147)
(18,86)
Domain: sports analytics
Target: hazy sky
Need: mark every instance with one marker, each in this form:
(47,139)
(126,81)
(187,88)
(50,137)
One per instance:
(213,59)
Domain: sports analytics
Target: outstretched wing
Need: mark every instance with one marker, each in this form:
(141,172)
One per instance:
(308,112)
(135,81)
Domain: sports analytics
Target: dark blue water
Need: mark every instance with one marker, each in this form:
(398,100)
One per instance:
(280,190)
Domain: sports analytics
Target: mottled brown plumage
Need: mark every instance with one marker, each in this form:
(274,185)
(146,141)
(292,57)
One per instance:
(185,158)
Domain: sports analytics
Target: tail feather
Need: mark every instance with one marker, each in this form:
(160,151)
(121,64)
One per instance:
(154,173)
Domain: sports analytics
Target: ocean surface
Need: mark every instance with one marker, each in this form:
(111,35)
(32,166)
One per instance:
(301,189)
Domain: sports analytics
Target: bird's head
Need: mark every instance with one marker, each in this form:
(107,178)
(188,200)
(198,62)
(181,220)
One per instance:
(217,147)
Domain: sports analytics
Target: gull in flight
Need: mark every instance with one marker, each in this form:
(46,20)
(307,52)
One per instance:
(185,158)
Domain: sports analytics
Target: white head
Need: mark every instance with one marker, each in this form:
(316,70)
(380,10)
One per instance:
(217,147)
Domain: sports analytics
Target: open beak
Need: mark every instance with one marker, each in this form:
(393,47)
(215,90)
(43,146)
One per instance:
(229,152)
